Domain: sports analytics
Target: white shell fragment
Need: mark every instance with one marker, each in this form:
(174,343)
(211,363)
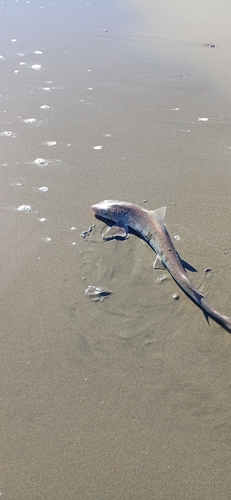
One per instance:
(44,106)
(98,147)
(44,189)
(202,119)
(24,208)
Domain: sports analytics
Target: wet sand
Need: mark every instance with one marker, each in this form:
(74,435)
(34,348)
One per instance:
(129,397)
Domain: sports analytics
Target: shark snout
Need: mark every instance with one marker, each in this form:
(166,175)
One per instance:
(94,208)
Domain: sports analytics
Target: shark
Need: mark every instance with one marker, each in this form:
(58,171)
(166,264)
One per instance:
(150,225)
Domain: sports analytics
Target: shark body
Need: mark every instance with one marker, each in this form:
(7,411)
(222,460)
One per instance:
(150,224)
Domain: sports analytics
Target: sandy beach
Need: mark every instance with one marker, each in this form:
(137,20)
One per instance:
(127,398)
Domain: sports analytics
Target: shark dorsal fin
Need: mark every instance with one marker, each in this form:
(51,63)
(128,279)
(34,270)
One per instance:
(159,214)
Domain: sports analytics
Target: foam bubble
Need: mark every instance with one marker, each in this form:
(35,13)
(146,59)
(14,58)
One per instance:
(202,119)
(98,147)
(6,133)
(44,189)
(30,120)
(44,106)
(42,219)
(38,52)
(41,161)
(24,208)
(50,143)
(36,66)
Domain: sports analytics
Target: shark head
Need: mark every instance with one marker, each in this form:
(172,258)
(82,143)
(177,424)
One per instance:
(112,209)
(126,214)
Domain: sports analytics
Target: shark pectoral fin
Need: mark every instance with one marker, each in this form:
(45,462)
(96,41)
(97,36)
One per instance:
(120,230)
(158,264)
(159,214)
